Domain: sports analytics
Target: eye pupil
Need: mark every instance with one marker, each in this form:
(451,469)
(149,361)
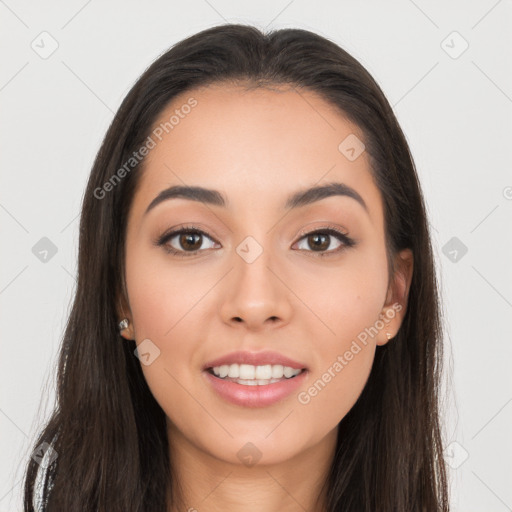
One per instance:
(319,246)
(189,238)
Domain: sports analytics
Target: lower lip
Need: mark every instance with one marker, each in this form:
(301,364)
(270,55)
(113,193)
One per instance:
(255,396)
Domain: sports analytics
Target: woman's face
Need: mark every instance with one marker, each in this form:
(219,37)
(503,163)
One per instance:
(255,281)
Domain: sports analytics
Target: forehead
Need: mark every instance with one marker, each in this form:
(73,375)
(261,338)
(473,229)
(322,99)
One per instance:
(255,146)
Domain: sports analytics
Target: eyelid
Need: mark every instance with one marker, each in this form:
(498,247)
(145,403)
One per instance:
(328,228)
(324,227)
(332,230)
(163,239)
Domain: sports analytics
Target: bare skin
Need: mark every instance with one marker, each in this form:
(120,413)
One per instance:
(257,148)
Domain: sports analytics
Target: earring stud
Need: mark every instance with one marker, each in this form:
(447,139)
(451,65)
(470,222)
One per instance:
(123,324)
(388,336)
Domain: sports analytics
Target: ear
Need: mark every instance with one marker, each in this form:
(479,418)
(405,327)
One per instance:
(395,306)
(123,311)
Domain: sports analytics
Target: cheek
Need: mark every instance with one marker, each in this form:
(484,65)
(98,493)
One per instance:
(345,297)
(167,308)
(347,304)
(334,388)
(160,292)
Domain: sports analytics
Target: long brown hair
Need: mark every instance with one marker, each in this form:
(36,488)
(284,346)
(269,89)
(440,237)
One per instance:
(107,429)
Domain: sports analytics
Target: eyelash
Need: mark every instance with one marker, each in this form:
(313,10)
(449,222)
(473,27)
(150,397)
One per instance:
(327,230)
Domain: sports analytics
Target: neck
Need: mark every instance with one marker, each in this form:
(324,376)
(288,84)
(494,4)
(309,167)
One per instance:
(202,481)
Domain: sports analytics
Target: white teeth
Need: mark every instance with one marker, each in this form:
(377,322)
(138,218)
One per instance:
(277,371)
(246,371)
(263,372)
(288,372)
(262,382)
(223,370)
(234,371)
(254,375)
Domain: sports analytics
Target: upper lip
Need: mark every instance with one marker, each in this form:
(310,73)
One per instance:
(255,359)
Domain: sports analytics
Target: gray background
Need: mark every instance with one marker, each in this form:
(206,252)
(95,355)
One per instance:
(454,104)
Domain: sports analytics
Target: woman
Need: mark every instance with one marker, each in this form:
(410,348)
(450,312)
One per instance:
(256,323)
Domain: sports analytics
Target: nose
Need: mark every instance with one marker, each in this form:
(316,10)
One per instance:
(256,295)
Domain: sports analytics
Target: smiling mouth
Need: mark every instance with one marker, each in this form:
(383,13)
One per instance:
(251,376)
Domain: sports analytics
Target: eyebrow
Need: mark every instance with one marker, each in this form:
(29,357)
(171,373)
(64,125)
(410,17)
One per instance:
(296,200)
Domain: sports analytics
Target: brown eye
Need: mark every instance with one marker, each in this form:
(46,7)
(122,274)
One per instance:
(190,241)
(184,242)
(320,241)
